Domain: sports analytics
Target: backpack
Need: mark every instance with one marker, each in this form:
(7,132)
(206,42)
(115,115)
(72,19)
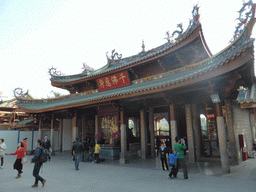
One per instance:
(44,156)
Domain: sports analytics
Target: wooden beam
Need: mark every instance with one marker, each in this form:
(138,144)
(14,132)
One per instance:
(161,64)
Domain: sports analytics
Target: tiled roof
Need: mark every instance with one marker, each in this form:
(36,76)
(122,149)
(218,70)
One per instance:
(151,83)
(25,122)
(117,64)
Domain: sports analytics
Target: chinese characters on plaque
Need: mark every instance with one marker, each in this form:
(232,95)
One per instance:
(112,81)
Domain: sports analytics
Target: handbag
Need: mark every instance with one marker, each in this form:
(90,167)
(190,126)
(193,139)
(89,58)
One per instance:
(24,160)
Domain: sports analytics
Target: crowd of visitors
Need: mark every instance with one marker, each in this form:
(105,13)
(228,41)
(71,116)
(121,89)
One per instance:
(89,151)
(21,159)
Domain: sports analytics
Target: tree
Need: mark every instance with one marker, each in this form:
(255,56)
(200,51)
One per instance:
(56,94)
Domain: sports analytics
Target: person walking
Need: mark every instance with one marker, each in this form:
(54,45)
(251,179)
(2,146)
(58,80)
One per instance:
(38,164)
(2,152)
(20,152)
(179,147)
(86,149)
(77,149)
(162,152)
(46,144)
(25,144)
(172,158)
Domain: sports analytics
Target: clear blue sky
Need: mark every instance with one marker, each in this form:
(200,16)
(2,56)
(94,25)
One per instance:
(36,35)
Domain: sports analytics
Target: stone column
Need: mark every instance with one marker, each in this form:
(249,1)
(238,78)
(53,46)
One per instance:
(137,122)
(190,135)
(60,135)
(74,128)
(231,133)
(222,139)
(156,126)
(52,137)
(83,125)
(123,158)
(96,124)
(196,130)
(40,128)
(173,126)
(152,132)
(252,125)
(143,135)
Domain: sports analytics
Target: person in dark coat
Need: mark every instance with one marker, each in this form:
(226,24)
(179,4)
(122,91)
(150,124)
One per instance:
(38,164)
(162,153)
(77,149)
(46,144)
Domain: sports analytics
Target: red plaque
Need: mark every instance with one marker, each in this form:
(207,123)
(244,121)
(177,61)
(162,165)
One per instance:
(112,81)
(209,116)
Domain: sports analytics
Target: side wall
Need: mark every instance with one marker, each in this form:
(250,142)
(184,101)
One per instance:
(242,125)
(11,138)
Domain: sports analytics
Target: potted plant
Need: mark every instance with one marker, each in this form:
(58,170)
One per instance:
(116,138)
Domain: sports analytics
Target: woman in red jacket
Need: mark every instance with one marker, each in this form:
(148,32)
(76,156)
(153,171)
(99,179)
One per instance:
(20,152)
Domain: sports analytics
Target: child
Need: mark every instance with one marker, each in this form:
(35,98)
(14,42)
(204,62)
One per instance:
(96,152)
(172,158)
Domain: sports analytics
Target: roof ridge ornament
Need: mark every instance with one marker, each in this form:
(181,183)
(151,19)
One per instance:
(178,32)
(114,57)
(87,69)
(195,13)
(192,22)
(19,93)
(53,72)
(195,16)
(143,47)
(246,14)
(169,38)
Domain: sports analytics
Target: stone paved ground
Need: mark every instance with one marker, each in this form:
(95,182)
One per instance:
(111,177)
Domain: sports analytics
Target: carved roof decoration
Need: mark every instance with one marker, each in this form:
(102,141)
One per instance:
(143,86)
(115,61)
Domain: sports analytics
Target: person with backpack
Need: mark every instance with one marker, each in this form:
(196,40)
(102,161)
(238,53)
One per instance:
(39,154)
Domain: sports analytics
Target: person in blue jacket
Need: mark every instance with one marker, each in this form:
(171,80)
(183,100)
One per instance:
(38,164)
(172,164)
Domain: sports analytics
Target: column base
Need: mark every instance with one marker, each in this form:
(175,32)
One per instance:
(123,161)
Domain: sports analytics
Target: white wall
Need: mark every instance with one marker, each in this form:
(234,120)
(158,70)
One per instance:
(67,135)
(11,138)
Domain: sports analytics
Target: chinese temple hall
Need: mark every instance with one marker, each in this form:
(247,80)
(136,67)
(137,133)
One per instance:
(181,81)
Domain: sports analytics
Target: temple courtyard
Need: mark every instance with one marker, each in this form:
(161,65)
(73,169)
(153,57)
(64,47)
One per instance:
(137,175)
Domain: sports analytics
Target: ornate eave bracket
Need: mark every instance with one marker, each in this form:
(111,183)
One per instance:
(114,57)
(19,93)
